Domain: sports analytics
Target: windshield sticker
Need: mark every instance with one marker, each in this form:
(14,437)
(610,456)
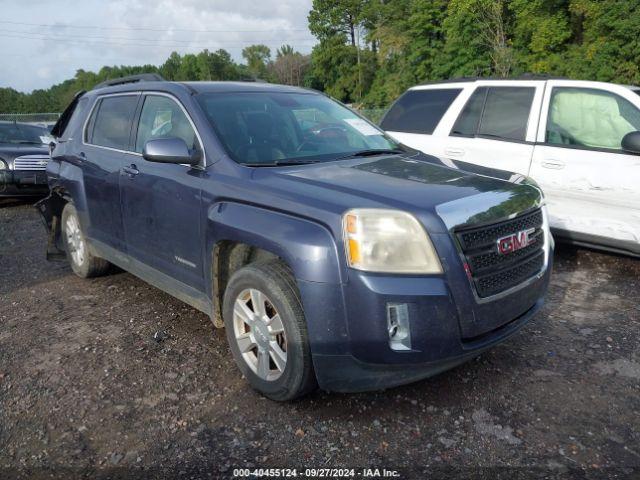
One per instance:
(363,127)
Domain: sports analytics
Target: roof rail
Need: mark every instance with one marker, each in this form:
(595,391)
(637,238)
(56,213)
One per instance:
(143,77)
(523,76)
(252,80)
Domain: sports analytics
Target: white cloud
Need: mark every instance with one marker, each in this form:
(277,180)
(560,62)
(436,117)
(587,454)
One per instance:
(135,32)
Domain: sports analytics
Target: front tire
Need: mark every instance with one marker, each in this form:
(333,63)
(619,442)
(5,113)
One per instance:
(267,331)
(83,263)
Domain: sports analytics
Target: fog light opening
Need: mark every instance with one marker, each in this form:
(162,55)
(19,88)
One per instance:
(398,326)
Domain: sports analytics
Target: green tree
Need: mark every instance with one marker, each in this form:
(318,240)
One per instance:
(258,58)
(329,18)
(170,68)
(289,67)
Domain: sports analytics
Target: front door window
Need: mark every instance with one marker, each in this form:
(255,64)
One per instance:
(590,118)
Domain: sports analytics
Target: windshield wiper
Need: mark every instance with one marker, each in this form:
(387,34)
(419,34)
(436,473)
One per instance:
(27,142)
(373,151)
(281,163)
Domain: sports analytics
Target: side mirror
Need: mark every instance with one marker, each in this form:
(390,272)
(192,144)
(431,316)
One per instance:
(169,150)
(631,142)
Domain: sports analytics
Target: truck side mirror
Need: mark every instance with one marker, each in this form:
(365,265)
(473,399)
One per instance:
(169,150)
(631,142)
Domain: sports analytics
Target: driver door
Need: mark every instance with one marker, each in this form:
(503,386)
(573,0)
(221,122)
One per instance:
(590,183)
(161,202)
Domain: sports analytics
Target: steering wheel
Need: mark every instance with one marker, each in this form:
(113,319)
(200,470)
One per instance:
(322,135)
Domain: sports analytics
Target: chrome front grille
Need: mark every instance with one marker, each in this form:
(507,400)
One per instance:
(31,162)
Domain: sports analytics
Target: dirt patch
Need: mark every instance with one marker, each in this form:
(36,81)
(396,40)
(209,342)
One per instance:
(86,390)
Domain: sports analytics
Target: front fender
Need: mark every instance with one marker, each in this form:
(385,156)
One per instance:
(307,247)
(309,250)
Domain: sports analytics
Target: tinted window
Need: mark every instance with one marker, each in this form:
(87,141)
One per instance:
(590,118)
(467,122)
(419,111)
(19,133)
(112,124)
(506,112)
(262,128)
(162,117)
(496,112)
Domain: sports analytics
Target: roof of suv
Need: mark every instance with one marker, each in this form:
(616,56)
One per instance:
(202,87)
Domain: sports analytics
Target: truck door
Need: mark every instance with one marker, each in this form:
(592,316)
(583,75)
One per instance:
(590,183)
(497,126)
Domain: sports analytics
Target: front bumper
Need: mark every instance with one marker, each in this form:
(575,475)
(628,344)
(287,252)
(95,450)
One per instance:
(23,183)
(348,326)
(345,373)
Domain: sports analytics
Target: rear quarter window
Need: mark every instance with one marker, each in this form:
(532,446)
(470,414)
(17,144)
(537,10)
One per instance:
(419,111)
(75,120)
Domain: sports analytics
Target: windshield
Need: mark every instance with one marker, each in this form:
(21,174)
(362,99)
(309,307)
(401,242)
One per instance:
(265,128)
(19,133)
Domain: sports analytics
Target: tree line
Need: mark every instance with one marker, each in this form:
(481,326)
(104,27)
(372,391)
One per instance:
(370,51)
(287,66)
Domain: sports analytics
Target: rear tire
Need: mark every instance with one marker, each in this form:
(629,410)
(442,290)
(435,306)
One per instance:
(83,263)
(267,331)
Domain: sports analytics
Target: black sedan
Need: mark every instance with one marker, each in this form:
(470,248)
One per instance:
(24,154)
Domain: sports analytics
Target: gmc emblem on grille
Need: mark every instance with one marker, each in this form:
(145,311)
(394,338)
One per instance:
(516,241)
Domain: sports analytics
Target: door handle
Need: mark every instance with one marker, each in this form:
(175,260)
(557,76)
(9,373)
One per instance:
(454,152)
(553,164)
(131,171)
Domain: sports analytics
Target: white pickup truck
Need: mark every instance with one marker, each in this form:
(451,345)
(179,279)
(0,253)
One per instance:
(578,140)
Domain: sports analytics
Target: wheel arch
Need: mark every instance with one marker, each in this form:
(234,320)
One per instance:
(239,234)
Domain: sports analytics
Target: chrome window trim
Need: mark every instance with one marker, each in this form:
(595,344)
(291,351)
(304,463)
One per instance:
(145,94)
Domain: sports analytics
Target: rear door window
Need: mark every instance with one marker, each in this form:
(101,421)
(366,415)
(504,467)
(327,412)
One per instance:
(496,112)
(419,111)
(467,122)
(506,112)
(111,125)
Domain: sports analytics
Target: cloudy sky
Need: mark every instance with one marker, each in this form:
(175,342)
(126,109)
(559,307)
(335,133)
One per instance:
(45,41)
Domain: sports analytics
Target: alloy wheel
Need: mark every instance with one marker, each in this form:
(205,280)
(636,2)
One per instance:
(75,241)
(260,334)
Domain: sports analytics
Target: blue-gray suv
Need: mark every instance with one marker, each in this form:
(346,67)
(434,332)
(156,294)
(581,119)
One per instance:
(332,255)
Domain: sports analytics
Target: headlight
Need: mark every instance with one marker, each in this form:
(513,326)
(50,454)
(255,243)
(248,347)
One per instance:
(390,241)
(3,165)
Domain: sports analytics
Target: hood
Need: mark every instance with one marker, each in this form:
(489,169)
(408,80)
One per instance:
(9,151)
(420,184)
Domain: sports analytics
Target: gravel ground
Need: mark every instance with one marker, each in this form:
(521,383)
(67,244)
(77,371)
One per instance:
(85,390)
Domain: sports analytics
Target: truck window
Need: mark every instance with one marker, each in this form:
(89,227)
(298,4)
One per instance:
(496,112)
(111,125)
(162,117)
(506,112)
(590,118)
(419,111)
(467,122)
